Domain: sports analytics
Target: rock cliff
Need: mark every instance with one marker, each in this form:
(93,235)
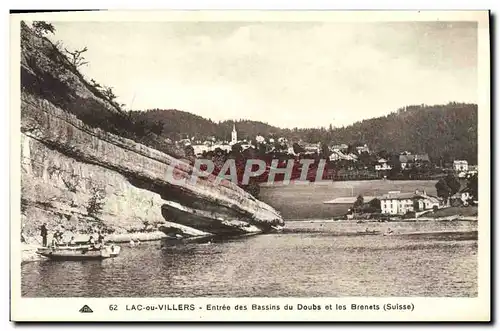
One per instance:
(82,176)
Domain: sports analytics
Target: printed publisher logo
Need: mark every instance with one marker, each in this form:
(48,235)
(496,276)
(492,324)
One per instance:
(86,309)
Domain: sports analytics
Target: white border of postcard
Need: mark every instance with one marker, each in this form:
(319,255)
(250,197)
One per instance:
(114,309)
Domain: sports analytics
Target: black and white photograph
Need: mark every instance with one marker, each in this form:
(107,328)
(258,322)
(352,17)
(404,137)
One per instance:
(253,157)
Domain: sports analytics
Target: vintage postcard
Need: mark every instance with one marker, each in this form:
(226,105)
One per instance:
(250,166)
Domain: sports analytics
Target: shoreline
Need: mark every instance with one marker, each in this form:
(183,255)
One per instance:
(28,250)
(393,220)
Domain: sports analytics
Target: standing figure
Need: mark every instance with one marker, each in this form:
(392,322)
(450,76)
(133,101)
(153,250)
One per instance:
(44,233)
(100,238)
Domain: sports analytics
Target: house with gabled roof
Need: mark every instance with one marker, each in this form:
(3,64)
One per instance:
(397,203)
(407,160)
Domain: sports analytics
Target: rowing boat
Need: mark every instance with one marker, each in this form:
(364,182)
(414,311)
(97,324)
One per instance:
(80,252)
(367,233)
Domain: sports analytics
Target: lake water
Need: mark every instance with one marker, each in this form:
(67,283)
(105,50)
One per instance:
(308,259)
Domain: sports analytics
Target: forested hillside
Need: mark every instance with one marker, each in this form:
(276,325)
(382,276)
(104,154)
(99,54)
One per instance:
(179,124)
(446,132)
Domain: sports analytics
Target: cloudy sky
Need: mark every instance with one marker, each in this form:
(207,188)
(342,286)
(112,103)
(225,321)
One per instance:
(296,74)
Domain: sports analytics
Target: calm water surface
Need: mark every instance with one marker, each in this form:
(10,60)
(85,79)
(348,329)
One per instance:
(307,259)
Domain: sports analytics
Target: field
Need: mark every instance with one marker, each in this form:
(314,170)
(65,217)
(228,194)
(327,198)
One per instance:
(305,201)
(451,211)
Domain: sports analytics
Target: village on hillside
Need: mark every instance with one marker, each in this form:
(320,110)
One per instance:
(456,182)
(357,161)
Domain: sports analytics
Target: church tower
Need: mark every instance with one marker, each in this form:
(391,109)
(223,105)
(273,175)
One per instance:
(234,135)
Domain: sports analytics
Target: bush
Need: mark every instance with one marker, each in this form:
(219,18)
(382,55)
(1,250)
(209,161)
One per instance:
(41,28)
(96,202)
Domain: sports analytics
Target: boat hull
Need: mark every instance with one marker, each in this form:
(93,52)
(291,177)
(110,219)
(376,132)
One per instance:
(79,253)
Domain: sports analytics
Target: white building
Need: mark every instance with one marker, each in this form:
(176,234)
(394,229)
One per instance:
(311,147)
(397,203)
(200,149)
(460,165)
(338,155)
(260,139)
(382,165)
(362,149)
(341,147)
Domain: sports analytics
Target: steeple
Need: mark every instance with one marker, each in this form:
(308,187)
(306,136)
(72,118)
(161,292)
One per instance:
(234,135)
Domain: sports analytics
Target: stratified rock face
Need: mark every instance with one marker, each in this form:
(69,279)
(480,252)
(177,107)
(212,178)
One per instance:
(60,190)
(77,176)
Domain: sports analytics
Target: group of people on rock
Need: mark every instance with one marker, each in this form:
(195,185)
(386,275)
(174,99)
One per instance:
(57,238)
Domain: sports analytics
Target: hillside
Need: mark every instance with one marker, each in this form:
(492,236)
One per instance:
(177,124)
(446,132)
(48,74)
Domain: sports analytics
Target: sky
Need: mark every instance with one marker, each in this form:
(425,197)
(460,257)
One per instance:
(287,74)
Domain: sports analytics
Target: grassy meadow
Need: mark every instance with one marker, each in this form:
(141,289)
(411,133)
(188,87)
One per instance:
(305,200)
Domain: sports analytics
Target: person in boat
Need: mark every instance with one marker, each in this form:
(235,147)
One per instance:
(59,236)
(55,240)
(72,241)
(100,238)
(44,232)
(389,231)
(91,241)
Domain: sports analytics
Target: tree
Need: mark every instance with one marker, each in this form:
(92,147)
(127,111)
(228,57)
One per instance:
(351,149)
(279,146)
(325,151)
(358,203)
(366,159)
(395,164)
(447,186)
(472,186)
(189,151)
(452,183)
(443,190)
(375,205)
(41,28)
(108,93)
(76,58)
(156,127)
(96,201)
(383,154)
(236,149)
(297,149)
